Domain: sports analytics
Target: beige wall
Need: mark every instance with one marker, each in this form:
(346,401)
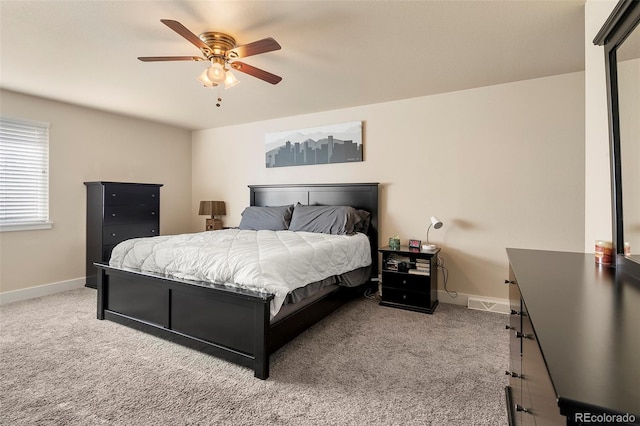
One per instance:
(88,145)
(501,166)
(597,207)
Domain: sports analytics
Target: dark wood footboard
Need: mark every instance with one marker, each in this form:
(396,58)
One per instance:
(232,324)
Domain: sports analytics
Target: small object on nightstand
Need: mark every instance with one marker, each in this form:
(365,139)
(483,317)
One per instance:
(414,244)
(394,243)
(212,208)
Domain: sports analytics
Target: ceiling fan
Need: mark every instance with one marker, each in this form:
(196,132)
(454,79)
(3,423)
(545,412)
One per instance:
(221,50)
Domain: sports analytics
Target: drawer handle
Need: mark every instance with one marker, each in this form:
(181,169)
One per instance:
(113,195)
(153,195)
(512,374)
(521,408)
(113,214)
(508,327)
(113,235)
(523,335)
(509,282)
(404,281)
(515,312)
(404,297)
(153,231)
(153,213)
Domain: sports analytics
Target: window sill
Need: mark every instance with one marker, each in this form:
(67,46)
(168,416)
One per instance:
(26,226)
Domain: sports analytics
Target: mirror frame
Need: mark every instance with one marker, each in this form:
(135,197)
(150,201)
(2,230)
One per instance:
(624,18)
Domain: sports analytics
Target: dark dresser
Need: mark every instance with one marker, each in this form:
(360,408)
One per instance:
(575,341)
(116,212)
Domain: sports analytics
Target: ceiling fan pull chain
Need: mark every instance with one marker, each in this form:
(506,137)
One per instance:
(219,98)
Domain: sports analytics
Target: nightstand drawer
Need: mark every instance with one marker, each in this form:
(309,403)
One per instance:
(405,297)
(405,281)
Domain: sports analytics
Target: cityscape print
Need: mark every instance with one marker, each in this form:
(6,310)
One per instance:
(338,143)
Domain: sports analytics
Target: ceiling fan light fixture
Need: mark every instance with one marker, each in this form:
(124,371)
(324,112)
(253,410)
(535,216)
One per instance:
(215,73)
(221,50)
(230,80)
(205,80)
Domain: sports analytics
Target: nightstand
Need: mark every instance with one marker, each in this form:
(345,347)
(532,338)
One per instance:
(213,224)
(410,279)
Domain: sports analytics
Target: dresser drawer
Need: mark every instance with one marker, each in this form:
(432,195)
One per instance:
(539,396)
(113,234)
(406,297)
(116,214)
(413,282)
(124,194)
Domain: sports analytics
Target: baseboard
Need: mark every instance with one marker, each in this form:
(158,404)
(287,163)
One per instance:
(41,290)
(463,300)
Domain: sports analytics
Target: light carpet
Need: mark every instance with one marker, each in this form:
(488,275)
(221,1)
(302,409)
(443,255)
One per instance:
(363,365)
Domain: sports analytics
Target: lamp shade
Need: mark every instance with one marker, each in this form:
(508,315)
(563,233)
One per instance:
(437,223)
(230,80)
(212,208)
(204,79)
(215,73)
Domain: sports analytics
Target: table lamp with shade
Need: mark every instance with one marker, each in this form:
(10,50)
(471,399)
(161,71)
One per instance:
(213,208)
(436,224)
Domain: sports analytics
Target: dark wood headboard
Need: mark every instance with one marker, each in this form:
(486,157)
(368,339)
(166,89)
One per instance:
(358,195)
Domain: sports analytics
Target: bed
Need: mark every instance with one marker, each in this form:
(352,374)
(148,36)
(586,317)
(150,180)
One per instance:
(233,323)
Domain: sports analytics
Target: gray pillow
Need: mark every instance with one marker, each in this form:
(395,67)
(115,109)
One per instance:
(275,218)
(336,220)
(365,221)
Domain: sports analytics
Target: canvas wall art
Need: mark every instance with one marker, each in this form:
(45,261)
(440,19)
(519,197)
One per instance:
(337,143)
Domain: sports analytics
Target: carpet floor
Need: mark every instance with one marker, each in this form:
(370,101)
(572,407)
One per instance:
(363,365)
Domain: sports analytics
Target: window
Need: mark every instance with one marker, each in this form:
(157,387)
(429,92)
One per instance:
(24,175)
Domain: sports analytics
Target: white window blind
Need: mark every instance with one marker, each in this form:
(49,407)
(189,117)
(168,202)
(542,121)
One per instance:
(24,174)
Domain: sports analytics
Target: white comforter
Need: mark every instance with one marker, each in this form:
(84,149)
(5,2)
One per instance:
(269,261)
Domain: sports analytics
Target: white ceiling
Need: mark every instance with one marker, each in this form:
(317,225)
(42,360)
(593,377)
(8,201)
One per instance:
(335,54)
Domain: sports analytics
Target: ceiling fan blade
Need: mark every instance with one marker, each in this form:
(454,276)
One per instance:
(255,48)
(256,72)
(184,32)
(169,58)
